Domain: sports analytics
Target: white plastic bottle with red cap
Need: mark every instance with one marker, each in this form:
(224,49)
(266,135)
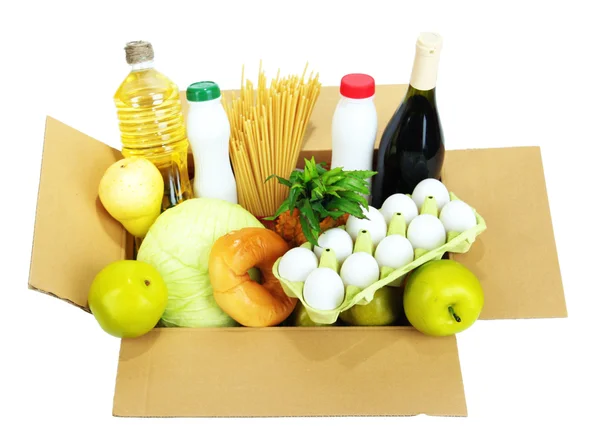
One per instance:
(354,125)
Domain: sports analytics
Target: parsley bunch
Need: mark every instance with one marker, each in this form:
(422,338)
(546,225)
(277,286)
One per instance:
(319,193)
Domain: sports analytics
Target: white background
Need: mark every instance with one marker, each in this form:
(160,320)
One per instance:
(511,74)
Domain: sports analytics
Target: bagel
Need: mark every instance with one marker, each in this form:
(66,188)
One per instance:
(250,303)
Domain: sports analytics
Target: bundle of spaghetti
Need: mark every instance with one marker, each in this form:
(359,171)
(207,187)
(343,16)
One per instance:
(268,125)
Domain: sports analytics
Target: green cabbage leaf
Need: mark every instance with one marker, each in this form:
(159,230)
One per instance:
(178,245)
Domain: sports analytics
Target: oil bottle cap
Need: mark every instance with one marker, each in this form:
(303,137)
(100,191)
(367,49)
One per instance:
(203,91)
(357,86)
(138,51)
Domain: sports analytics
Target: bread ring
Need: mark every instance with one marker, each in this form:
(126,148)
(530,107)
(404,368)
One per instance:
(250,303)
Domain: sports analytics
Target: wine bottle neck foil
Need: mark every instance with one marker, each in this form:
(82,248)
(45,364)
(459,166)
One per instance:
(425,66)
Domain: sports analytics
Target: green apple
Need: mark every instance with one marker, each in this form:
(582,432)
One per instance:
(128,298)
(442,297)
(384,309)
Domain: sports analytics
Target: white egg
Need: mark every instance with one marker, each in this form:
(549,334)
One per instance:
(360,269)
(297,263)
(374,223)
(458,216)
(426,232)
(399,203)
(431,187)
(394,251)
(324,289)
(337,240)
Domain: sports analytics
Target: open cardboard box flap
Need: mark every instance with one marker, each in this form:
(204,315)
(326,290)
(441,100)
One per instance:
(301,371)
(74,236)
(287,371)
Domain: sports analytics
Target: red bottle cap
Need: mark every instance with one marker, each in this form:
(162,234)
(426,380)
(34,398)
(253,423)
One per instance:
(357,86)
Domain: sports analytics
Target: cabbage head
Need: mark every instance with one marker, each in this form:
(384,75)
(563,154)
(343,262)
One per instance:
(178,245)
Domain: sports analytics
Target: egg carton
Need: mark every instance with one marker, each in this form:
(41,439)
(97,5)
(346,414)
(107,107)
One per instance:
(456,242)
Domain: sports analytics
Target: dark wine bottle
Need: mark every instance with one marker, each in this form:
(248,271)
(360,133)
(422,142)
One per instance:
(412,145)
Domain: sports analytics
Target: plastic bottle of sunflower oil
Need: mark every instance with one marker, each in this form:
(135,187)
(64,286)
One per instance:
(151,122)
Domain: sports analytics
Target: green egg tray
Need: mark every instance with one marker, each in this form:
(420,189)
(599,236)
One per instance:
(455,242)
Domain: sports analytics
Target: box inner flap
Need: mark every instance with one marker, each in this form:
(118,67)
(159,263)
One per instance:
(74,236)
(515,258)
(239,372)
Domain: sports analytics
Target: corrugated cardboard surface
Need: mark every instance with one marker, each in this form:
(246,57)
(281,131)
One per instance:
(300,371)
(515,258)
(74,236)
(288,372)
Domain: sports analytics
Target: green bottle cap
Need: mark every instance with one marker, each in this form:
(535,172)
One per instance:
(203,91)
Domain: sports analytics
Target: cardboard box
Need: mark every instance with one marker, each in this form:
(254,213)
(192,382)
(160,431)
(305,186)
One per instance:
(286,371)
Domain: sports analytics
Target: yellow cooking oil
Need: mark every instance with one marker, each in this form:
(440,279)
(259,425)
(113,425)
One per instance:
(151,122)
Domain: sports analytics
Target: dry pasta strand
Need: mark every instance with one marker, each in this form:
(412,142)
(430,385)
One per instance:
(268,123)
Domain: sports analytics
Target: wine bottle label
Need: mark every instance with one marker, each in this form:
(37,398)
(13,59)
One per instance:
(425,66)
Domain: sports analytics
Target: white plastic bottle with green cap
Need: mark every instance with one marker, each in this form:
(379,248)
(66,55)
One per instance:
(208,131)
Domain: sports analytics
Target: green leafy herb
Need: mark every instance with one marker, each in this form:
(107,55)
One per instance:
(319,193)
